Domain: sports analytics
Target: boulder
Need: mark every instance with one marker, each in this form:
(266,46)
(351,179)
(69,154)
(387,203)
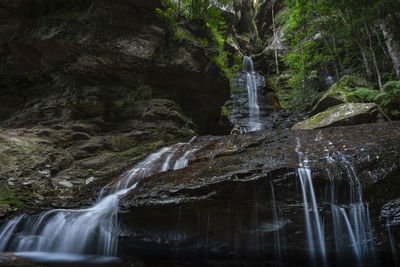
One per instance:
(342,115)
(337,93)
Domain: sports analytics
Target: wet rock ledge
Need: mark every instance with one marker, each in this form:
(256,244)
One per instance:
(220,210)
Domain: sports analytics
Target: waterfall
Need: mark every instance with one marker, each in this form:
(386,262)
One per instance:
(315,232)
(277,239)
(66,234)
(352,230)
(392,244)
(353,227)
(251,86)
(314,228)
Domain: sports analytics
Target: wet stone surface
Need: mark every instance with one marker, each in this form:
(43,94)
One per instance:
(221,208)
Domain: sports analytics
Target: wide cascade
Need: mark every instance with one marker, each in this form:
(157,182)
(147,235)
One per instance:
(90,231)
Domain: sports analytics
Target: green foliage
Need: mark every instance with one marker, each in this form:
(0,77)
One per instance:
(212,16)
(389,99)
(259,45)
(168,16)
(203,42)
(139,150)
(363,95)
(90,172)
(10,197)
(181,34)
(236,90)
(329,37)
(225,111)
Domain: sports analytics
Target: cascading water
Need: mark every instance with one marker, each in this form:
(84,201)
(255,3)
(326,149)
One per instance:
(315,231)
(251,86)
(353,234)
(277,239)
(352,222)
(337,228)
(392,244)
(88,231)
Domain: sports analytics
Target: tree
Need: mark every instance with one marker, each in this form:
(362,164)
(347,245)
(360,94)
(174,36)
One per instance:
(342,37)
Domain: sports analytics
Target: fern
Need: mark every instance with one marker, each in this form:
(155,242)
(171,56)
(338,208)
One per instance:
(388,99)
(392,85)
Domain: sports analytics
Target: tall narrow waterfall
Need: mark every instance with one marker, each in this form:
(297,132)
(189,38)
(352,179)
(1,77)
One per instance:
(92,230)
(251,86)
(314,227)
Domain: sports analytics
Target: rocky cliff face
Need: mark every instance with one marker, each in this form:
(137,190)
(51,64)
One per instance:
(102,56)
(89,81)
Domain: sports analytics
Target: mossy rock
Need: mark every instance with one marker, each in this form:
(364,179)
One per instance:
(342,115)
(337,94)
(11,197)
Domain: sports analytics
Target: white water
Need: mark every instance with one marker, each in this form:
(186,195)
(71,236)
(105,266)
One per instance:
(392,244)
(352,230)
(277,239)
(352,226)
(85,231)
(251,86)
(315,232)
(314,227)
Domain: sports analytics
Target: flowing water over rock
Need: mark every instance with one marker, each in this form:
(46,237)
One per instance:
(252,92)
(288,216)
(246,107)
(353,234)
(253,103)
(310,213)
(90,231)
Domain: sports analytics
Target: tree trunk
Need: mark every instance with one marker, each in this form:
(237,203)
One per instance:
(333,57)
(375,62)
(392,46)
(365,59)
(275,38)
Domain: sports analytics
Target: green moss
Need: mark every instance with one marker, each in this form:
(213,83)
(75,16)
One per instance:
(334,114)
(236,90)
(181,34)
(226,111)
(10,197)
(139,150)
(203,42)
(90,172)
(279,84)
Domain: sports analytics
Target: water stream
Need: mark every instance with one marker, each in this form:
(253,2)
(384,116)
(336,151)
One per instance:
(354,240)
(251,86)
(337,228)
(63,234)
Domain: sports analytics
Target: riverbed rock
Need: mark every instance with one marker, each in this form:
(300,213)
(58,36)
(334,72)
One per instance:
(337,93)
(8,259)
(342,115)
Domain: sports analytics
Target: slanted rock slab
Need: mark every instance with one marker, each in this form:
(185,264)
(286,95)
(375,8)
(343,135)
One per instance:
(341,115)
